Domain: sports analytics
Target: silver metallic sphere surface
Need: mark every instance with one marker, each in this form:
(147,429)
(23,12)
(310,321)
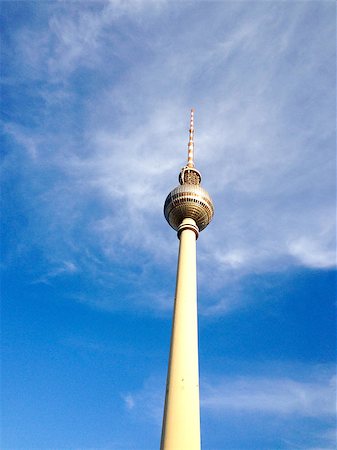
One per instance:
(188,201)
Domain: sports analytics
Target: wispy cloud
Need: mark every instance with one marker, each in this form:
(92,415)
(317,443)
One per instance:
(264,142)
(148,400)
(281,396)
(129,401)
(66,268)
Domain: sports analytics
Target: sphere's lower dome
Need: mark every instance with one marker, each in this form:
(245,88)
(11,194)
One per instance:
(188,201)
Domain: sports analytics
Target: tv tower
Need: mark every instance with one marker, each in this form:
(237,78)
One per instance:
(188,209)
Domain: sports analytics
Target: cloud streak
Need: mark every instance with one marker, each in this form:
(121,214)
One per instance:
(264,133)
(280,396)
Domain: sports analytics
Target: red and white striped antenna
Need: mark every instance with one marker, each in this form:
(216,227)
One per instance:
(190,156)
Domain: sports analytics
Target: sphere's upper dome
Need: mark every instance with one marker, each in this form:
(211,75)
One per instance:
(188,201)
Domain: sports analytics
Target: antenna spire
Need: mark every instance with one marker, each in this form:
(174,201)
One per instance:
(190,157)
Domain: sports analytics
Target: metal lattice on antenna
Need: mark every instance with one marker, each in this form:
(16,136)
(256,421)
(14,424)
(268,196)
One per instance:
(190,157)
(189,174)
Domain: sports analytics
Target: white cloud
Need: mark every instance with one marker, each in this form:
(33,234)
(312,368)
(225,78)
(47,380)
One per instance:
(66,268)
(265,157)
(147,403)
(129,401)
(73,38)
(24,138)
(311,252)
(261,395)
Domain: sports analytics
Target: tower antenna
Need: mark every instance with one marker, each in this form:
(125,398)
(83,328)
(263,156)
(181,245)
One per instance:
(190,156)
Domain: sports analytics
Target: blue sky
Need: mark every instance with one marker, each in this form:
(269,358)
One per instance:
(95,113)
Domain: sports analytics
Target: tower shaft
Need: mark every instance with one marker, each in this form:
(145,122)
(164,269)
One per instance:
(181,422)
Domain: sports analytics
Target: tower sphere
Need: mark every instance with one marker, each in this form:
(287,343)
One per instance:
(189,201)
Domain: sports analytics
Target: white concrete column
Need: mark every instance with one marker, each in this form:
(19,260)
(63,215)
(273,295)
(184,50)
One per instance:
(181,422)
